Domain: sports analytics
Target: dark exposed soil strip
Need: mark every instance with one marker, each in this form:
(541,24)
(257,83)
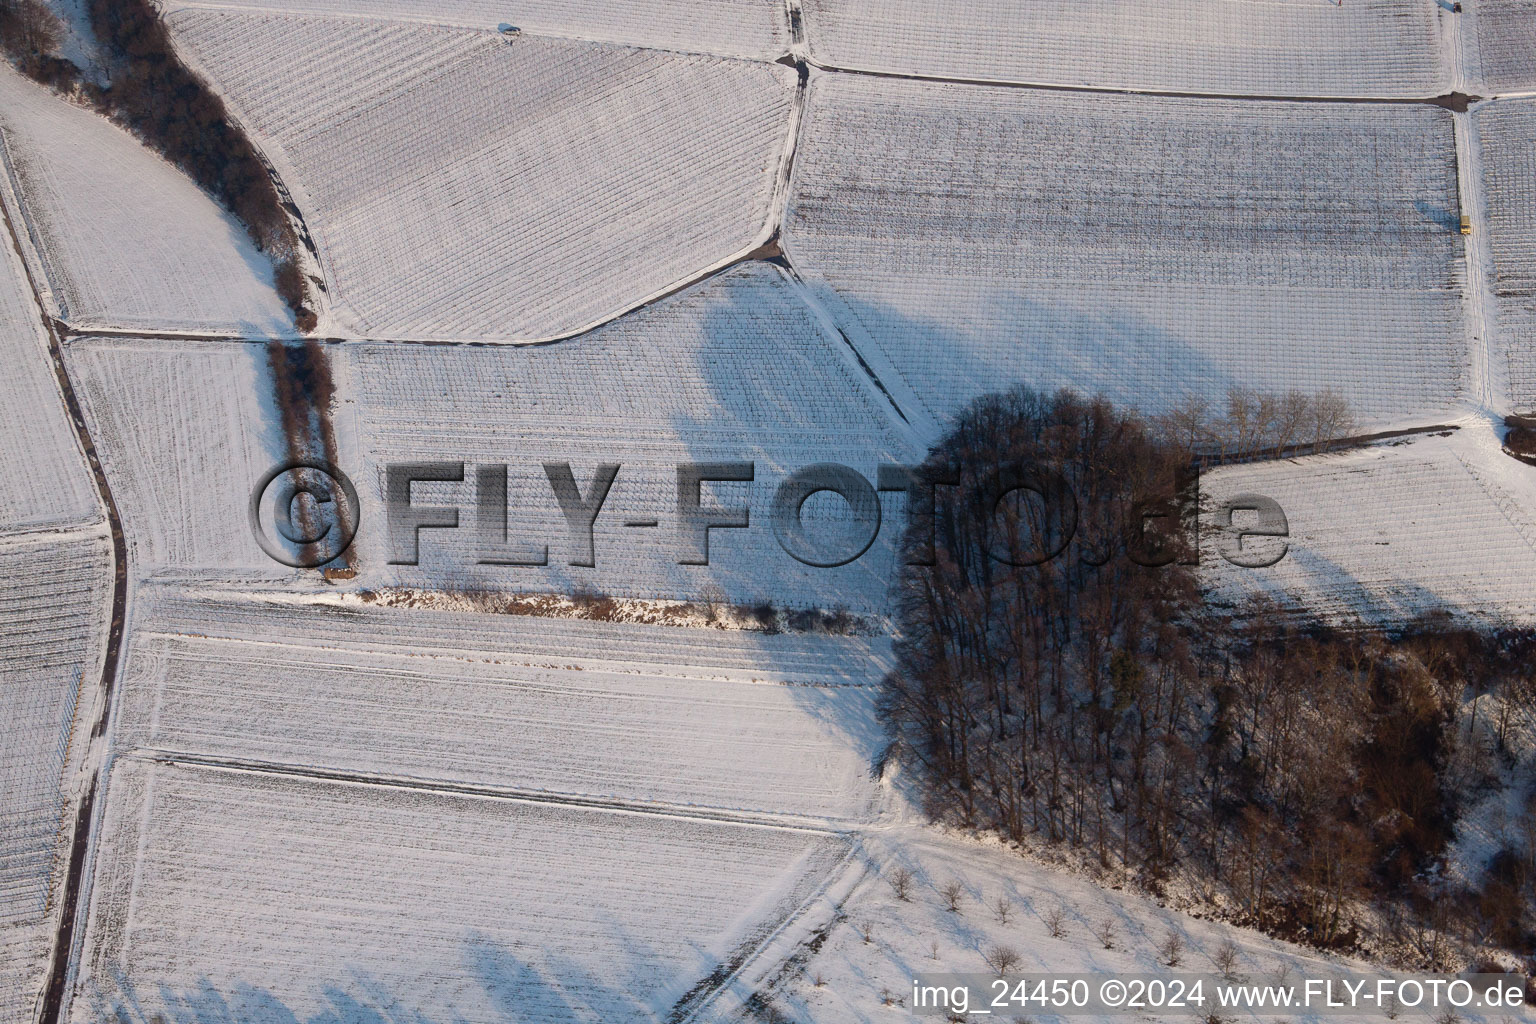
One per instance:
(1456,101)
(64,941)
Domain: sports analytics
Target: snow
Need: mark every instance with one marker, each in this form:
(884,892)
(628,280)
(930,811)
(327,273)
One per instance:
(124,239)
(184,430)
(1389,531)
(736,369)
(323,804)
(44,482)
(329,618)
(512,703)
(464,184)
(53,612)
(262,897)
(847,978)
(23,958)
(1281,48)
(1144,247)
(1506,45)
(1504,129)
(732,28)
(55,579)
(54,601)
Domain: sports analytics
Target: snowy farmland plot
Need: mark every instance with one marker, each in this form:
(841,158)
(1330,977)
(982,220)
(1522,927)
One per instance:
(183,430)
(516,770)
(43,478)
(1147,248)
(123,238)
(54,602)
(649,714)
(1505,130)
(270,898)
(1391,531)
(1506,45)
(731,28)
(737,369)
(1284,48)
(465,184)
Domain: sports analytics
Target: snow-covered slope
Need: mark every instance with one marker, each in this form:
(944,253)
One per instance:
(1148,248)
(463,184)
(1279,48)
(124,239)
(732,28)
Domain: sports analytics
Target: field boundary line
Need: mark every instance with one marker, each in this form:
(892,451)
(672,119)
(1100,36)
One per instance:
(507,794)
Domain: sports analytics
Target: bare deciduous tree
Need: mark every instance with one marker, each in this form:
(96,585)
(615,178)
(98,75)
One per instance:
(953,894)
(1226,958)
(1171,951)
(902,881)
(1002,959)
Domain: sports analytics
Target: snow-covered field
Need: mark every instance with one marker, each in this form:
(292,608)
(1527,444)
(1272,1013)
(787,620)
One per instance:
(1393,530)
(54,600)
(43,478)
(1505,129)
(881,943)
(370,799)
(736,369)
(55,582)
(184,429)
(53,612)
(1147,248)
(1280,48)
(511,703)
(732,28)
(269,898)
(462,184)
(266,894)
(1506,45)
(124,239)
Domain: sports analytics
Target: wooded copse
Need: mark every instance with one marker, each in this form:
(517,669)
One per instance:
(1307,779)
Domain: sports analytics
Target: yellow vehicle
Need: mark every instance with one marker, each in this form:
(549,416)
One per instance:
(1466,224)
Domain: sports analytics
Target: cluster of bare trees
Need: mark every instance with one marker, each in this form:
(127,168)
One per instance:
(30,34)
(173,110)
(1092,700)
(1256,424)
